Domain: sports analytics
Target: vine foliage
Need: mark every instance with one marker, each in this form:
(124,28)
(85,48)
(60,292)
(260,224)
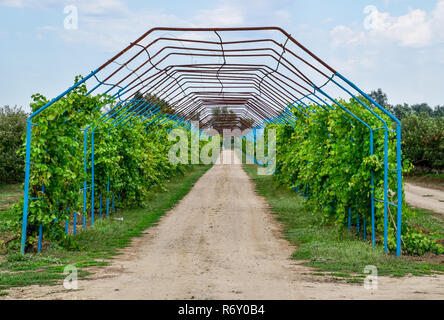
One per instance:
(134,159)
(326,157)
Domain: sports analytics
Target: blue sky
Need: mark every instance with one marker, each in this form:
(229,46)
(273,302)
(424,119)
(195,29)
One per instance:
(397,45)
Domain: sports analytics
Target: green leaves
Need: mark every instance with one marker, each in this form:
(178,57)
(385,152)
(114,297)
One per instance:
(135,161)
(329,156)
(423,141)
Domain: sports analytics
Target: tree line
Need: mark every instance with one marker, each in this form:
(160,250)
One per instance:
(12,127)
(422,132)
(422,135)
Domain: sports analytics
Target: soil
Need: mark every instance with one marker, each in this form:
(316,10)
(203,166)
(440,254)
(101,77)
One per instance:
(221,242)
(425,198)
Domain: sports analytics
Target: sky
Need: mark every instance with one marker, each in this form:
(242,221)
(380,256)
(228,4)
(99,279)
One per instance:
(396,45)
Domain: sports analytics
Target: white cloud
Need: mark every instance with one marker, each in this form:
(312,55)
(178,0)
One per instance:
(219,17)
(100,7)
(12,3)
(111,25)
(116,31)
(86,6)
(283,15)
(343,35)
(438,20)
(414,29)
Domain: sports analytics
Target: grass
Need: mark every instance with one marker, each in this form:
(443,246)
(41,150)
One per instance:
(9,194)
(429,222)
(5,216)
(329,249)
(95,246)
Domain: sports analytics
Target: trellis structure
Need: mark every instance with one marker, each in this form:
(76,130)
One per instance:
(260,74)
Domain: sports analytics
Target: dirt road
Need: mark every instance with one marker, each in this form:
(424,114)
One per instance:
(425,198)
(221,242)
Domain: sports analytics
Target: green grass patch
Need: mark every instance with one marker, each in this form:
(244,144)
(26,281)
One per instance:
(429,222)
(331,249)
(5,216)
(96,245)
(9,194)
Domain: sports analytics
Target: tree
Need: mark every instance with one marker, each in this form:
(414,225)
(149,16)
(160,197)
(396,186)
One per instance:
(439,111)
(423,141)
(12,127)
(380,97)
(422,109)
(401,111)
(224,119)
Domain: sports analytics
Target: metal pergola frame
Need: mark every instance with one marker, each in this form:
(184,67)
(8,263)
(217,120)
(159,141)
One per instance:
(262,79)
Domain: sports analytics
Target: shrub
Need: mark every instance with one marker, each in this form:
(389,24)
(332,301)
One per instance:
(12,126)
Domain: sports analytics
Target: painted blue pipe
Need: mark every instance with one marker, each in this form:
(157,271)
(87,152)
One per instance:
(398,160)
(349,219)
(107,199)
(40,238)
(92,176)
(28,157)
(85,155)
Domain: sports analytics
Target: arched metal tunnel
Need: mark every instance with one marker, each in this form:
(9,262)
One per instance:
(255,73)
(235,78)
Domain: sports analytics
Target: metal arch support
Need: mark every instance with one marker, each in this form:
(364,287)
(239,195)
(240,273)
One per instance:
(256,92)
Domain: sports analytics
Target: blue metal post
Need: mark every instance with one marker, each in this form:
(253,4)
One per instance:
(107,199)
(28,157)
(85,152)
(92,177)
(385,188)
(26,192)
(399,181)
(372,195)
(40,238)
(399,168)
(40,226)
(349,219)
(74,227)
(67,222)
